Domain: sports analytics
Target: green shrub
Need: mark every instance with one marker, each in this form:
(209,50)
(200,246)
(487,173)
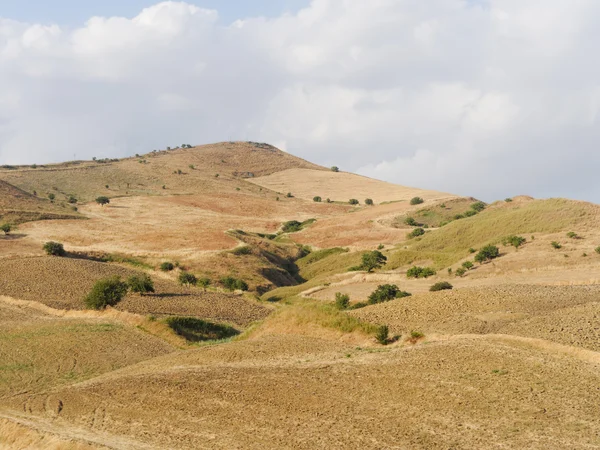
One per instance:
(106,292)
(385,293)
(140,284)
(508,200)
(353,201)
(416,233)
(294,226)
(359,305)
(420,272)
(382,334)
(72,199)
(197,330)
(572,235)
(459,216)
(103,200)
(470,213)
(416,201)
(342,301)
(472,250)
(373,260)
(467,265)
(289,195)
(369,201)
(317,199)
(6,227)
(187,279)
(411,222)
(515,241)
(487,253)
(243,250)
(54,249)
(232,284)
(597,250)
(440,286)
(167,266)
(478,206)
(335,169)
(460,272)
(204,283)
(556,245)
(51,197)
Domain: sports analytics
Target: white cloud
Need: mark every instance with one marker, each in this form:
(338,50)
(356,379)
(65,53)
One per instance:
(482,97)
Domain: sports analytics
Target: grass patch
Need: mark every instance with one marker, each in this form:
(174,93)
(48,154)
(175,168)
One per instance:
(294,226)
(135,262)
(197,330)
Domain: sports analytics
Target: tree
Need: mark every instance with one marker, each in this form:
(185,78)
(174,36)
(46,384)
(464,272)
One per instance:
(54,249)
(317,199)
(103,200)
(416,233)
(187,279)
(373,260)
(204,283)
(440,286)
(353,201)
(515,241)
(72,199)
(167,266)
(6,227)
(416,201)
(461,272)
(420,272)
(411,222)
(385,293)
(369,201)
(140,284)
(342,301)
(478,206)
(487,253)
(232,284)
(335,169)
(106,292)
(467,265)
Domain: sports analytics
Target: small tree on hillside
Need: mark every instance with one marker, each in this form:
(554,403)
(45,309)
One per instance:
(335,169)
(385,293)
(416,201)
(369,201)
(187,279)
(54,249)
(487,253)
(373,260)
(317,199)
(342,301)
(140,284)
(106,292)
(6,227)
(478,206)
(103,200)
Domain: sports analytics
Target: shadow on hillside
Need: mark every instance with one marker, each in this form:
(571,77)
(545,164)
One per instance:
(169,294)
(12,237)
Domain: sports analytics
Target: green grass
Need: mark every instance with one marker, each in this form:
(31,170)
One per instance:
(435,216)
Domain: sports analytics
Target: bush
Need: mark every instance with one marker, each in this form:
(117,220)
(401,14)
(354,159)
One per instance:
(72,199)
(289,195)
(51,197)
(187,279)
(597,250)
(416,233)
(103,200)
(292,226)
(472,250)
(243,250)
(167,266)
(382,334)
(572,235)
(470,213)
(487,253)
(335,169)
(468,265)
(369,201)
(440,286)
(140,284)
(515,241)
(461,272)
(508,200)
(106,292)
(353,201)
(317,199)
(6,227)
(556,245)
(232,284)
(478,206)
(373,260)
(359,305)
(342,301)
(420,272)
(385,293)
(416,201)
(411,222)
(197,330)
(54,249)
(204,283)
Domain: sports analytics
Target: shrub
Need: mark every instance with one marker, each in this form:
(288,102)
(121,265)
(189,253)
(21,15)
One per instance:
(420,272)
(380,247)
(72,199)
(204,283)
(167,266)
(508,200)
(335,169)
(597,250)
(385,293)
(243,250)
(197,330)
(415,336)
(470,213)
(359,305)
(187,279)
(478,206)
(459,216)
(329,200)
(487,253)
(317,199)
(556,245)
(54,249)
(51,197)
(140,284)
(369,201)
(373,260)
(467,265)
(342,301)
(572,235)
(416,201)
(515,241)
(416,233)
(106,292)
(472,250)
(289,195)
(440,286)
(353,201)
(382,334)
(292,226)
(103,200)
(460,272)
(411,222)
(232,284)
(6,228)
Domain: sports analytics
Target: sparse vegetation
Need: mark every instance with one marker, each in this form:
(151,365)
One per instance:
(460,272)
(335,169)
(72,199)
(556,245)
(572,235)
(411,222)
(106,292)
(51,197)
(382,334)
(54,249)
(440,286)
(478,206)
(508,200)
(294,226)
(420,272)
(140,284)
(597,250)
(204,283)
(385,293)
(289,195)
(416,201)
(515,241)
(243,250)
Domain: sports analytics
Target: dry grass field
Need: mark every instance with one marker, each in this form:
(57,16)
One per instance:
(509,358)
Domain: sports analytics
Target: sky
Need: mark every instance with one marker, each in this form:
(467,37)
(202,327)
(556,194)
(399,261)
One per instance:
(489,98)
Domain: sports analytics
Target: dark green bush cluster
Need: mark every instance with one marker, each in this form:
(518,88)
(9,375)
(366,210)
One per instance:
(411,222)
(232,284)
(187,279)
(317,199)
(6,228)
(487,253)
(342,301)
(556,245)
(515,241)
(243,250)
(416,233)
(460,272)
(335,169)
(478,206)
(167,266)
(197,330)
(416,201)
(440,286)
(103,200)
(140,284)
(420,272)
(468,265)
(353,201)
(294,226)
(369,201)
(373,260)
(385,293)
(54,249)
(382,334)
(106,292)
(572,235)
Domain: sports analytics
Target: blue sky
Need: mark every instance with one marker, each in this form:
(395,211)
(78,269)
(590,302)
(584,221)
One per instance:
(76,12)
